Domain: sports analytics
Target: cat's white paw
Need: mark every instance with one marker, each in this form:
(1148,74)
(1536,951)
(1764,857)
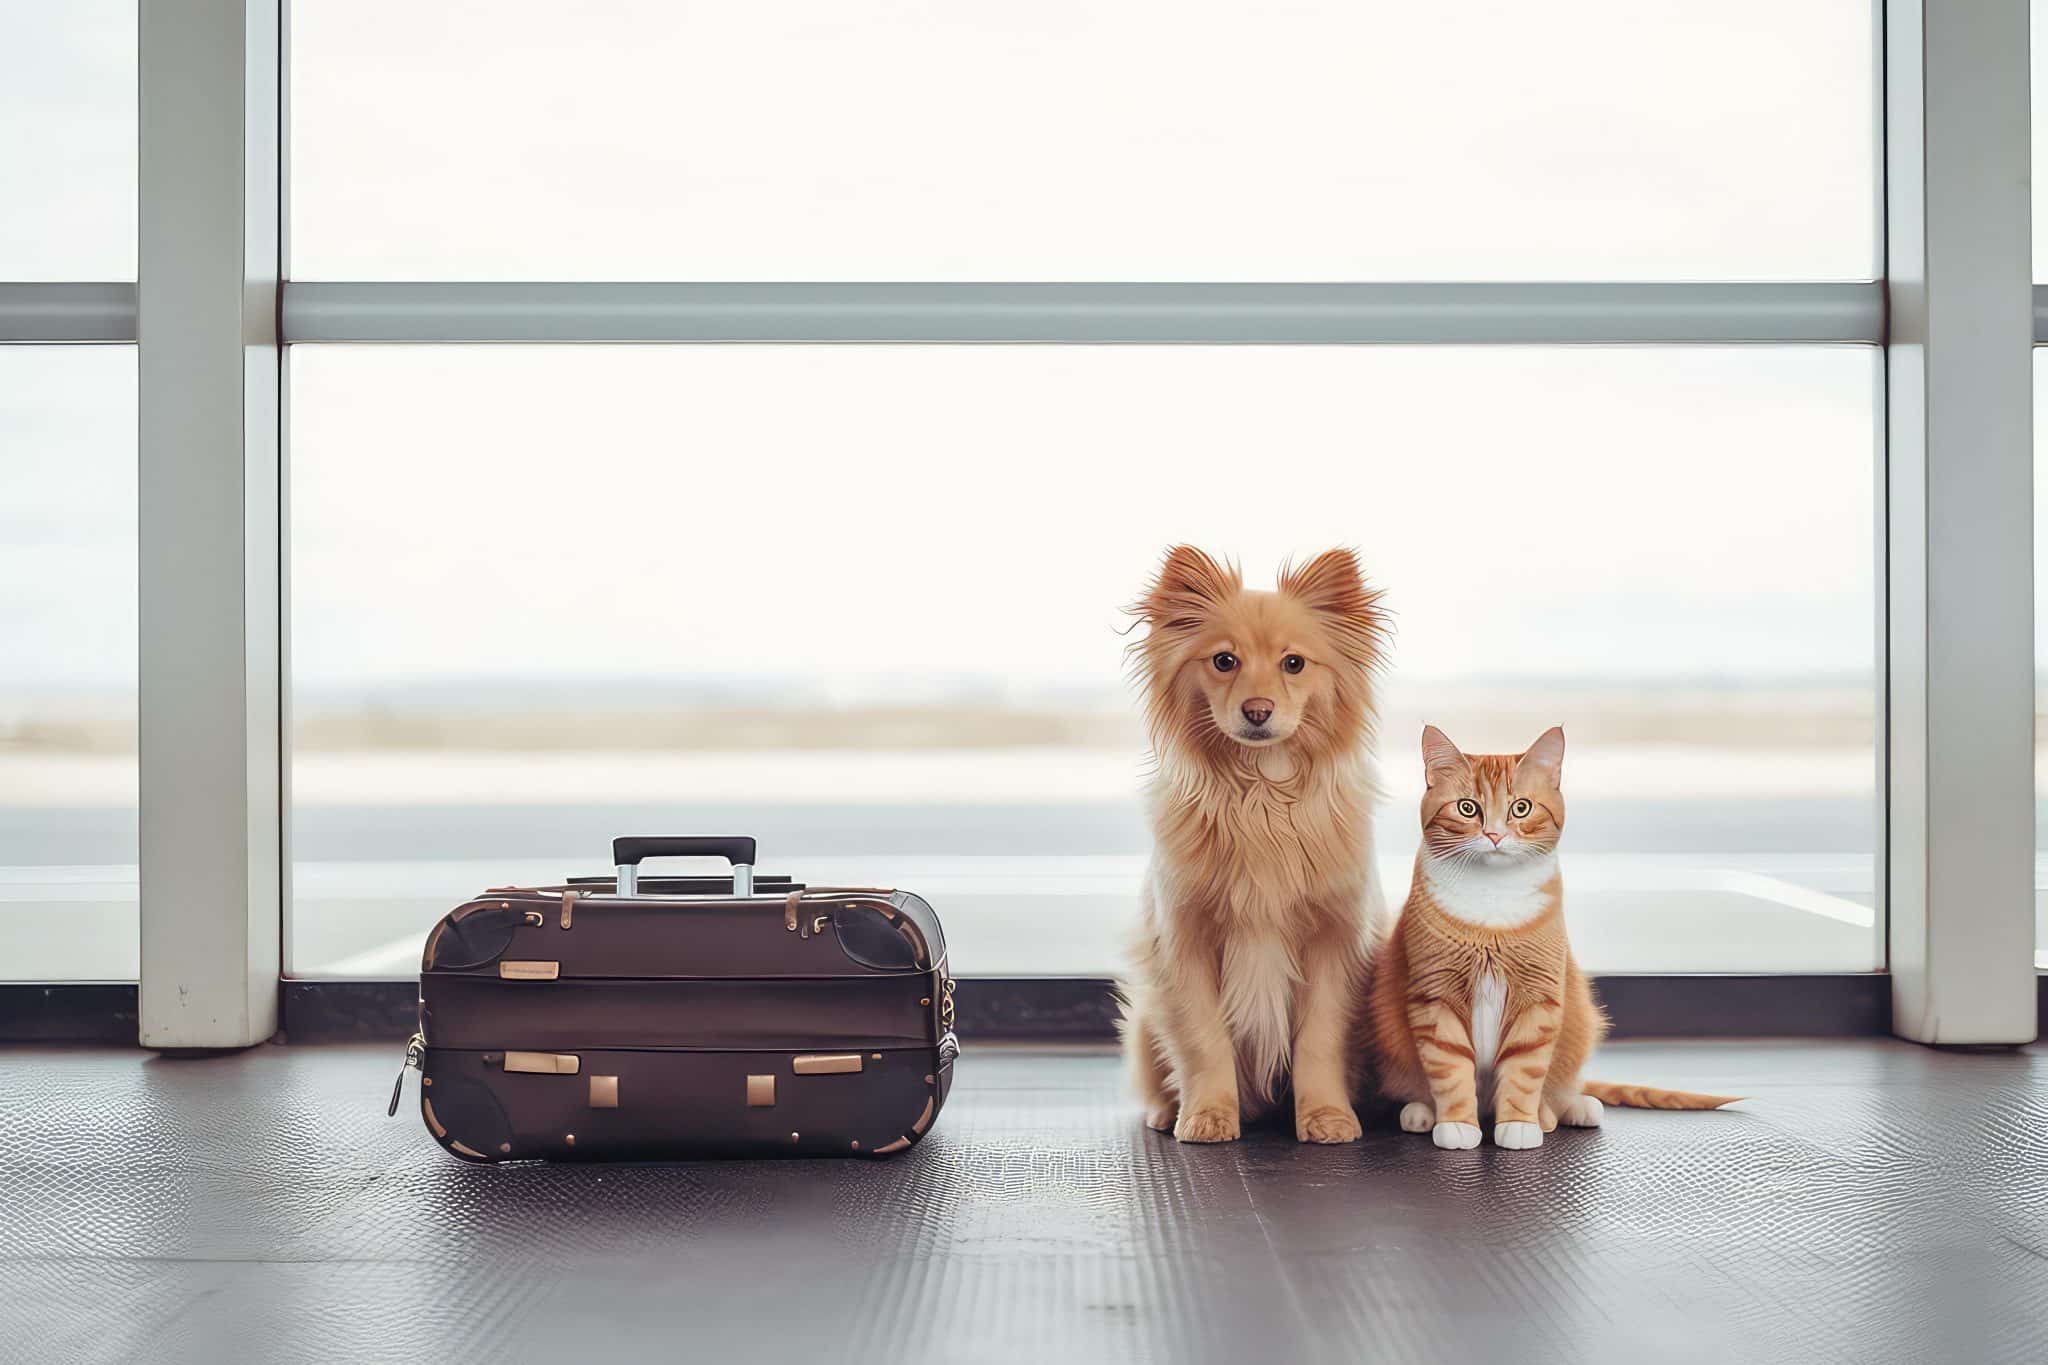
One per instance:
(1455,1137)
(1417,1117)
(1517,1136)
(1584,1112)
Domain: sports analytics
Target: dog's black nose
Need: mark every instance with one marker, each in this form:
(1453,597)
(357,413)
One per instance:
(1257,710)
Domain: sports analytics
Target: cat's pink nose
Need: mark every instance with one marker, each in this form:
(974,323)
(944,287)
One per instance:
(1496,837)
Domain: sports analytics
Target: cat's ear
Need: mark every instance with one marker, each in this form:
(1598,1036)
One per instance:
(1545,758)
(1189,584)
(1441,759)
(1333,586)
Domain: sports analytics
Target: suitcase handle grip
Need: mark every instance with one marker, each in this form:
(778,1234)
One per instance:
(737,849)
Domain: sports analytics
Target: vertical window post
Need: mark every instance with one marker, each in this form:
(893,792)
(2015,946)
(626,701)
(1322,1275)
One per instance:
(209,522)
(1960,675)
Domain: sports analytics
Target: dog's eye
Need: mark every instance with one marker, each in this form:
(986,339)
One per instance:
(1469,809)
(1294,663)
(1225,661)
(1520,810)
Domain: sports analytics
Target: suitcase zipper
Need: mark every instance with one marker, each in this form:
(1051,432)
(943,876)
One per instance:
(415,1053)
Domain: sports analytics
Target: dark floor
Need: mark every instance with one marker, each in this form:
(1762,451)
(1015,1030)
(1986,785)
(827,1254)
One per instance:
(1874,1202)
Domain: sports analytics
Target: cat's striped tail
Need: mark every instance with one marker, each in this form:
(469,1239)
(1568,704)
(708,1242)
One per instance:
(1650,1097)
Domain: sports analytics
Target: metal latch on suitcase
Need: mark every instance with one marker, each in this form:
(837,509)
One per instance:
(544,1063)
(826,1063)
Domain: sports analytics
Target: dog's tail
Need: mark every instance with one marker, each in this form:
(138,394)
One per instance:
(1124,997)
(1651,1097)
(1144,1056)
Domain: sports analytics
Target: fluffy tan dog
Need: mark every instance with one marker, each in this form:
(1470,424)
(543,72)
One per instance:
(1260,903)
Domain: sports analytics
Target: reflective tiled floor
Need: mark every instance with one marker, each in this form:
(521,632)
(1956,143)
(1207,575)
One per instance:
(1874,1202)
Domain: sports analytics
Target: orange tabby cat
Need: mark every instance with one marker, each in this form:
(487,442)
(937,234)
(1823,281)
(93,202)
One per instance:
(1476,1001)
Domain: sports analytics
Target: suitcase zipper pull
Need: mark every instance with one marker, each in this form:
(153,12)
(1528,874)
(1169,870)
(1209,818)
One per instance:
(415,1052)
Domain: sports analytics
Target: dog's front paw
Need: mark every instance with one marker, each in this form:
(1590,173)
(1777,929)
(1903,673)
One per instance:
(1159,1117)
(1207,1123)
(1517,1136)
(1455,1137)
(1327,1123)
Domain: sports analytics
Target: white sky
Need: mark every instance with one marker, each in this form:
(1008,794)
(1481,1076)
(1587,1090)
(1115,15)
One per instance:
(903,518)
(894,515)
(1652,511)
(1004,139)
(1083,139)
(67,140)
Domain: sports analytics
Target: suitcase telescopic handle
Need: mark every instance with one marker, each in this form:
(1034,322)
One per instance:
(737,849)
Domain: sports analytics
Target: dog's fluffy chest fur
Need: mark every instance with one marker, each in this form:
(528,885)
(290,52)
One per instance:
(1262,856)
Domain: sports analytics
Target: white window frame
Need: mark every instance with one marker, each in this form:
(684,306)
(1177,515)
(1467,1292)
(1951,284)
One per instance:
(1956,314)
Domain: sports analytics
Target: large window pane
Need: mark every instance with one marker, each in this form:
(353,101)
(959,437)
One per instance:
(863,602)
(67,139)
(67,663)
(1075,140)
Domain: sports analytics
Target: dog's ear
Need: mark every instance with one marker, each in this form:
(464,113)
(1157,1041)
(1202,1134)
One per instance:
(1332,585)
(1441,759)
(1188,586)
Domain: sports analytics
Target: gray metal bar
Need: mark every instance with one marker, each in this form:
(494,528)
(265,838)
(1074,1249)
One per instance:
(67,312)
(1959,491)
(2040,314)
(209,524)
(1085,313)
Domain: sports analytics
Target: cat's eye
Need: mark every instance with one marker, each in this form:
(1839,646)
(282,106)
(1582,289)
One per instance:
(1520,810)
(1469,809)
(1225,661)
(1294,663)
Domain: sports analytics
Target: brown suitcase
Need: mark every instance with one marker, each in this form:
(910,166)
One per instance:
(631,1019)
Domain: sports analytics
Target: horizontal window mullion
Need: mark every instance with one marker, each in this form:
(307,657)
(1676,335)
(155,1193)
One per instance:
(1393,314)
(67,312)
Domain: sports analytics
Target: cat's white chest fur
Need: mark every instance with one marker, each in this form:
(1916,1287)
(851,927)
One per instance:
(1503,897)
